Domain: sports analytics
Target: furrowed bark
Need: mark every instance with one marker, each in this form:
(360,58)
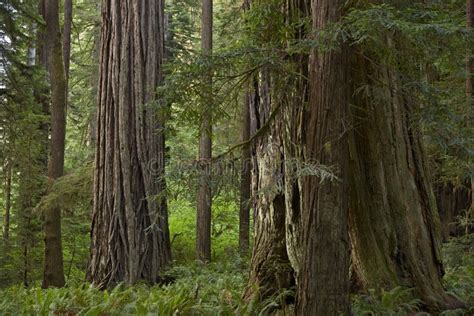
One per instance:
(294,114)
(130,235)
(395,227)
(276,186)
(270,270)
(245,179)
(204,200)
(323,282)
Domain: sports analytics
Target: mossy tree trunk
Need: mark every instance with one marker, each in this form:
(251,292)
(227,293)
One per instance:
(130,235)
(294,114)
(270,270)
(395,227)
(277,111)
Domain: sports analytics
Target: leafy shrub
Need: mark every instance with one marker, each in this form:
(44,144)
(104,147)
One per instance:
(213,289)
(459,264)
(398,301)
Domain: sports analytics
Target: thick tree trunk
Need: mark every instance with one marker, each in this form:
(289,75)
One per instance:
(323,282)
(130,235)
(395,228)
(53,266)
(270,270)
(245,179)
(295,108)
(276,185)
(204,199)
(7,196)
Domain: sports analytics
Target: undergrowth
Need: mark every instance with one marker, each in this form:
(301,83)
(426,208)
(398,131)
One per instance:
(199,289)
(216,289)
(458,280)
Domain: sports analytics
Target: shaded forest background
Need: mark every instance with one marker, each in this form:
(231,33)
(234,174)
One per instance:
(248,91)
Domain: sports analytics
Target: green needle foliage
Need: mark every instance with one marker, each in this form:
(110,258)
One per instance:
(429,56)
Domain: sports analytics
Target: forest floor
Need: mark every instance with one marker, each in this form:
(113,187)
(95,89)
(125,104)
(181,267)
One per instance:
(215,289)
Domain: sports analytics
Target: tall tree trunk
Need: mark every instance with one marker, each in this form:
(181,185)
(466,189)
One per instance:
(67,36)
(7,196)
(277,113)
(245,179)
(204,202)
(95,56)
(32,166)
(130,235)
(470,90)
(270,270)
(53,265)
(395,228)
(295,108)
(323,282)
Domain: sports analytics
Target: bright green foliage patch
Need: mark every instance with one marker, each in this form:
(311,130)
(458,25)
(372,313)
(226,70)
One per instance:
(199,289)
(216,289)
(459,278)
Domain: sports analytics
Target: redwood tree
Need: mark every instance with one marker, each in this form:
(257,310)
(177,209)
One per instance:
(245,178)
(270,271)
(67,36)
(395,227)
(323,280)
(276,108)
(394,220)
(53,265)
(204,198)
(130,235)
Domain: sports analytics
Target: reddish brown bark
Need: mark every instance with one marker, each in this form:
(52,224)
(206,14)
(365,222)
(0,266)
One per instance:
(204,199)
(395,227)
(245,179)
(130,235)
(323,284)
